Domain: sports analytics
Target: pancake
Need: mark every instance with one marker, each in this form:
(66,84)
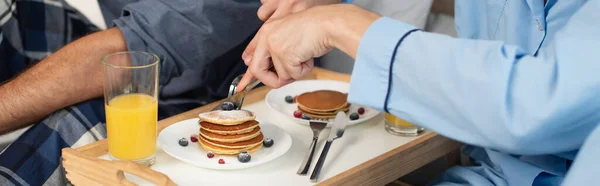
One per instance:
(245,127)
(323,114)
(308,111)
(232,117)
(322,111)
(229,132)
(230,138)
(312,116)
(242,144)
(313,113)
(322,100)
(320,116)
(228,151)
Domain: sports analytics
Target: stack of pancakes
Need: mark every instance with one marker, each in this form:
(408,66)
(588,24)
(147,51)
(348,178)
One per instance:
(323,104)
(229,132)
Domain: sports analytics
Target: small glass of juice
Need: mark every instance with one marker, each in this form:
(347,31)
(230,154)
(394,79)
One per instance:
(397,126)
(130,102)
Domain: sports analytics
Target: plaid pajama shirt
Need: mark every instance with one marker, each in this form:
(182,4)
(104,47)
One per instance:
(27,37)
(194,70)
(34,158)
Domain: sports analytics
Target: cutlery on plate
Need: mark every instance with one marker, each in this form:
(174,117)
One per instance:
(238,98)
(317,127)
(337,131)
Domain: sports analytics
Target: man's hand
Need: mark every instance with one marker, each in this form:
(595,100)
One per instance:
(71,75)
(290,43)
(280,8)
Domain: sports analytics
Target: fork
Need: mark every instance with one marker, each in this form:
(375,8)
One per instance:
(238,98)
(316,126)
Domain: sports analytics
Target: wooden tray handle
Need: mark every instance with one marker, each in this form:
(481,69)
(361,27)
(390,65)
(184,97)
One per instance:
(86,170)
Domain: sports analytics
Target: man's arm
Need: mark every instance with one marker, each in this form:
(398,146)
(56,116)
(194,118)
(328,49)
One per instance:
(71,75)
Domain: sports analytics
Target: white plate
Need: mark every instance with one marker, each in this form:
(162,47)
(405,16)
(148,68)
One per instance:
(194,154)
(275,99)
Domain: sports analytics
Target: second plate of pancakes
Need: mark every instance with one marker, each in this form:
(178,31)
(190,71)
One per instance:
(250,134)
(320,99)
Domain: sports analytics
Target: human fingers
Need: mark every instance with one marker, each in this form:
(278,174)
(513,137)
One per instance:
(297,70)
(282,72)
(281,10)
(260,65)
(266,10)
(306,68)
(246,79)
(249,51)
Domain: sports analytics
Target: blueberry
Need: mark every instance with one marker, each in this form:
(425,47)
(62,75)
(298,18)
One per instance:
(305,116)
(268,142)
(244,157)
(353,116)
(289,99)
(183,142)
(227,106)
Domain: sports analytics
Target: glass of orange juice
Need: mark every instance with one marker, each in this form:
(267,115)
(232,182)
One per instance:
(397,126)
(130,101)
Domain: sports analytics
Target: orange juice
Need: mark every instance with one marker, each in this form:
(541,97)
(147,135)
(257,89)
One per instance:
(131,122)
(397,126)
(397,121)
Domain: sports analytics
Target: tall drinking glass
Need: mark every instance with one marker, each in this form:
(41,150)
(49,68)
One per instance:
(397,126)
(130,101)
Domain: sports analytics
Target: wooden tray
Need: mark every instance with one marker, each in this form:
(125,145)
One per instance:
(380,170)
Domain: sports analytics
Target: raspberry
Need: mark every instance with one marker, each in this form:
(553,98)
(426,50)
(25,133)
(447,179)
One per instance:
(297,114)
(361,111)
(194,138)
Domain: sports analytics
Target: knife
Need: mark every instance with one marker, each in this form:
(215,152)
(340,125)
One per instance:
(337,131)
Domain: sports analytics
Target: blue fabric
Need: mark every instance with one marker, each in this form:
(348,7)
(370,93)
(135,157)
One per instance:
(519,86)
(27,37)
(200,43)
(387,95)
(584,170)
(200,53)
(34,158)
(30,32)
